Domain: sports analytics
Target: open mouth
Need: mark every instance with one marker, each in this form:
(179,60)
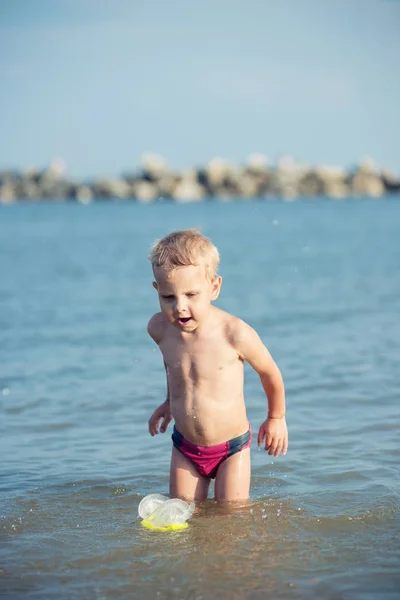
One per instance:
(184,320)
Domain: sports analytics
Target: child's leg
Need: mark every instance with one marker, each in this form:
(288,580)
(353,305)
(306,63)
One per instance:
(184,479)
(233,477)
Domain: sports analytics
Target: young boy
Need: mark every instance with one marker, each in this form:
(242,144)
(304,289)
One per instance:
(204,349)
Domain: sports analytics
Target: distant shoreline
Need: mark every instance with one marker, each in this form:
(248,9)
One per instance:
(153,182)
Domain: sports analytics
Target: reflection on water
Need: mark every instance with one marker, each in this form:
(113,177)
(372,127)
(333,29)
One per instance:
(85,535)
(80,378)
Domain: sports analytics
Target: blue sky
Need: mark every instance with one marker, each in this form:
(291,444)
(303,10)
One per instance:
(100,82)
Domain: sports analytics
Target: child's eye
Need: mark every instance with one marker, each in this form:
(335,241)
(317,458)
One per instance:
(190,294)
(167,297)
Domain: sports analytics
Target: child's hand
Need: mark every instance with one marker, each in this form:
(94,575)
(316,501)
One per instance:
(276,436)
(162,412)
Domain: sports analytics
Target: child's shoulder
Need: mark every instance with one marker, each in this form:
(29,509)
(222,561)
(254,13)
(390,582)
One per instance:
(235,328)
(156,327)
(240,335)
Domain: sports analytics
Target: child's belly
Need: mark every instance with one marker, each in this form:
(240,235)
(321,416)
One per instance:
(207,420)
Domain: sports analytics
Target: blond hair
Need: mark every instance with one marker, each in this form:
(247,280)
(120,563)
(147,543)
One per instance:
(185,248)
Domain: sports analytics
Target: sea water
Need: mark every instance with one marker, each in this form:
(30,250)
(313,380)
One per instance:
(320,282)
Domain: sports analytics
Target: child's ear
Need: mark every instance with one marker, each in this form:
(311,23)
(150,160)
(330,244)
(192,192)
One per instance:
(155,285)
(216,287)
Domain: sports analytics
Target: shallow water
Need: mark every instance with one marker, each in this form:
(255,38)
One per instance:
(320,281)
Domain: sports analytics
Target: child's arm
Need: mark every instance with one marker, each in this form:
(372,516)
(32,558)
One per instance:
(162,412)
(250,348)
(155,330)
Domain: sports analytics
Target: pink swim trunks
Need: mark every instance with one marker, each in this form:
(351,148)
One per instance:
(208,458)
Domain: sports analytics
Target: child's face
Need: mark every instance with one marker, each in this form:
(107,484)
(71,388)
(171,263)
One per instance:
(185,294)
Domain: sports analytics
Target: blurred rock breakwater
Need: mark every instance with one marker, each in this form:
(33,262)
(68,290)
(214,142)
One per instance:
(153,181)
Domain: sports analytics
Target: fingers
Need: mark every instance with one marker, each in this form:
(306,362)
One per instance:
(167,419)
(153,426)
(268,441)
(271,446)
(261,434)
(277,445)
(153,423)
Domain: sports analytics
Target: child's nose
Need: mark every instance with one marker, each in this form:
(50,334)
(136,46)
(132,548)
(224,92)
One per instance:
(181,304)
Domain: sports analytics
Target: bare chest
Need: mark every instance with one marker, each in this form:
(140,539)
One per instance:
(198,360)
